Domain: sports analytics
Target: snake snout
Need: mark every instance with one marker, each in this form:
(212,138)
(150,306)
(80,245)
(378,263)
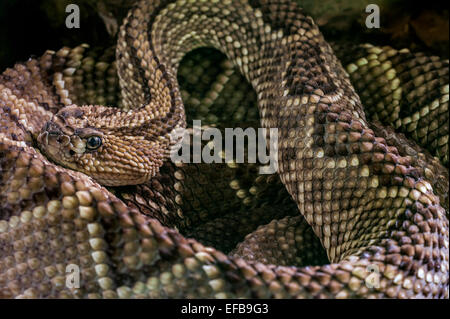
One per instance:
(52,138)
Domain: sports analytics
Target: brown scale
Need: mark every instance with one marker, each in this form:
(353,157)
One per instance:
(374,206)
(414,85)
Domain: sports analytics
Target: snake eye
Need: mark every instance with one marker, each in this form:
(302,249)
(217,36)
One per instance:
(93,142)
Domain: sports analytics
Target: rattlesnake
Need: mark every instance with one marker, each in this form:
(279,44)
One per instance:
(368,196)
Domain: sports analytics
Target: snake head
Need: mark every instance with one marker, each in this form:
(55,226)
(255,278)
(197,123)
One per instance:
(73,138)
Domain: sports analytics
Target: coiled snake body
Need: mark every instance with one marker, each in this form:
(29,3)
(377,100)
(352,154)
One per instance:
(374,199)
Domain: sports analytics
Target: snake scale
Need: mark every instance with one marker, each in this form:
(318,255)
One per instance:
(92,185)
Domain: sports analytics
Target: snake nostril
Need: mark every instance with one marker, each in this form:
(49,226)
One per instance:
(53,130)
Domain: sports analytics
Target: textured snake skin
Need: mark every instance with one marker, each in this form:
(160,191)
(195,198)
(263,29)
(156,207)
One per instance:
(350,195)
